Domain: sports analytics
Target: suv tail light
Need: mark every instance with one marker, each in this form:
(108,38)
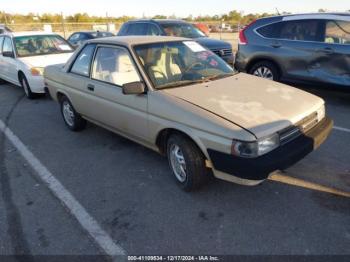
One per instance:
(242,38)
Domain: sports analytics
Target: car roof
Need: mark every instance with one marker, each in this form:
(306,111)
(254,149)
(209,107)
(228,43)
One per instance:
(161,21)
(136,40)
(29,33)
(331,16)
(90,32)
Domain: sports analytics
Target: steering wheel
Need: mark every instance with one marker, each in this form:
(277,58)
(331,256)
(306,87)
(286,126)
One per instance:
(188,69)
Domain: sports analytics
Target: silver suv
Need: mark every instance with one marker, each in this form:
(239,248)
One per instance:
(299,48)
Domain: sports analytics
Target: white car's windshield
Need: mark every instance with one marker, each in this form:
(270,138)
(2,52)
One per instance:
(180,63)
(182,30)
(41,45)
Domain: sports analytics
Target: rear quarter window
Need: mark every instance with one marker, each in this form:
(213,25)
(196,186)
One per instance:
(82,63)
(1,41)
(270,31)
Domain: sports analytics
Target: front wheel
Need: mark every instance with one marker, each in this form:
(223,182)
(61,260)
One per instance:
(26,87)
(265,69)
(186,162)
(71,118)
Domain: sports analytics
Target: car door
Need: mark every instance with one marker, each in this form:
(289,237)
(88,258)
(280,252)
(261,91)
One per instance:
(295,45)
(77,79)
(112,67)
(2,72)
(9,64)
(333,56)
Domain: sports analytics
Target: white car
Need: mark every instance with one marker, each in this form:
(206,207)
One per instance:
(24,55)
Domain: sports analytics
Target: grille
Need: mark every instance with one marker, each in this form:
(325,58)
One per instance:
(301,127)
(222,52)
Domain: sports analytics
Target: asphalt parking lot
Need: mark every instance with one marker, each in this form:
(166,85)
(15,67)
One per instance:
(129,191)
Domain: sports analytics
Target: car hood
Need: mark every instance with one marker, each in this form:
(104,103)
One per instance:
(213,43)
(258,105)
(45,60)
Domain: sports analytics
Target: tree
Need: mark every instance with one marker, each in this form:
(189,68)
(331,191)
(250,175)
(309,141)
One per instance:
(159,17)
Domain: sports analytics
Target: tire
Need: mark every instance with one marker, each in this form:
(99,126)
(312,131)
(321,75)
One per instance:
(265,69)
(26,87)
(196,173)
(71,118)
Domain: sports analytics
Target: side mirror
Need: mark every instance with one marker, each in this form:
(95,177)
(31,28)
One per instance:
(8,54)
(134,88)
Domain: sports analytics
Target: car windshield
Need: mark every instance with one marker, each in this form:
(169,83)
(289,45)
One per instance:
(41,45)
(182,30)
(101,34)
(174,64)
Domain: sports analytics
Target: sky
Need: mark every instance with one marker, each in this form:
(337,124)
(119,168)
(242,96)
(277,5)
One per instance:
(181,8)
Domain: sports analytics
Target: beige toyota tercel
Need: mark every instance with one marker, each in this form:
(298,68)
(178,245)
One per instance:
(176,97)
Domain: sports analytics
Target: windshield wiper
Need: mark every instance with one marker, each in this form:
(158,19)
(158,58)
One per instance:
(181,83)
(218,76)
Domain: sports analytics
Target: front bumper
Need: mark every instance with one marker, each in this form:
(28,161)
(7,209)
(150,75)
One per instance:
(281,158)
(230,59)
(36,84)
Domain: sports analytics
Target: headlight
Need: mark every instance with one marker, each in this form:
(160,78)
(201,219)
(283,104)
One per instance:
(255,149)
(321,113)
(37,71)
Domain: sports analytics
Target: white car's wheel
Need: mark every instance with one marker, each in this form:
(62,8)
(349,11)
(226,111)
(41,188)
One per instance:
(26,87)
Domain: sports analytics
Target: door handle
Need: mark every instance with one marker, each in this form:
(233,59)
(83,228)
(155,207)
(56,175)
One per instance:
(327,50)
(276,45)
(91,87)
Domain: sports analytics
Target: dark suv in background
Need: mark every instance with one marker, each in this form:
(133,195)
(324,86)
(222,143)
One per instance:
(79,38)
(4,29)
(309,48)
(177,28)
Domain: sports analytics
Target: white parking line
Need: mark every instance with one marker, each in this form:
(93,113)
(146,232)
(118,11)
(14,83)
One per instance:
(341,129)
(103,240)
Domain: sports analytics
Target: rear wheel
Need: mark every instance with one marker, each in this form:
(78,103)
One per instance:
(26,87)
(72,119)
(186,162)
(265,69)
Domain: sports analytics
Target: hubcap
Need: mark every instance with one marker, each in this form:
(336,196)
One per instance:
(178,163)
(68,113)
(263,72)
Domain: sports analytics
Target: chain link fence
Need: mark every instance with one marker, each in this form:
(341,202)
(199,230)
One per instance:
(229,33)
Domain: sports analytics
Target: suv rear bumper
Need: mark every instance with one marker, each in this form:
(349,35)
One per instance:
(259,168)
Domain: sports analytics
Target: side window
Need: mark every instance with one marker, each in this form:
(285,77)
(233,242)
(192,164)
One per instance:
(337,32)
(303,30)
(114,65)
(82,63)
(1,41)
(84,37)
(152,30)
(7,47)
(74,37)
(270,31)
(137,29)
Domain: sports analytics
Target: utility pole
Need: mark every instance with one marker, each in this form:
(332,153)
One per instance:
(6,22)
(107,22)
(63,25)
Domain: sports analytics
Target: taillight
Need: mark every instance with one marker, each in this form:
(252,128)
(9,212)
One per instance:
(242,38)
